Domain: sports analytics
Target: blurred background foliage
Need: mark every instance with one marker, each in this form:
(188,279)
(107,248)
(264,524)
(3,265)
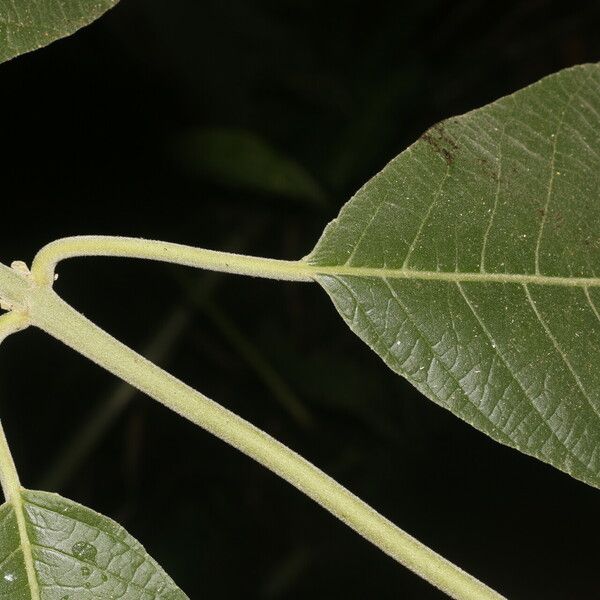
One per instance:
(246,125)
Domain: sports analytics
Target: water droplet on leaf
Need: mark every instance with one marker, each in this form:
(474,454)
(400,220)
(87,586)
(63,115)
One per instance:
(84,551)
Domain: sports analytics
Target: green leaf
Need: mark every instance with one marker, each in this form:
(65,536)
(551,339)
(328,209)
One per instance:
(244,161)
(471,265)
(55,549)
(26,25)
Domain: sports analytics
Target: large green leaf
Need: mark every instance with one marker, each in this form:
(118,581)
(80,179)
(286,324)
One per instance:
(471,265)
(73,553)
(26,25)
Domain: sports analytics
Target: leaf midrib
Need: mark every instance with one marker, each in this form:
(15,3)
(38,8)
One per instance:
(25,543)
(456,276)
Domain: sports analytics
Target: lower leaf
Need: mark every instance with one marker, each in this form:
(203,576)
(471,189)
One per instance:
(52,548)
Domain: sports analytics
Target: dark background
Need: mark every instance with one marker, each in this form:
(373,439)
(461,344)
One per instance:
(105,132)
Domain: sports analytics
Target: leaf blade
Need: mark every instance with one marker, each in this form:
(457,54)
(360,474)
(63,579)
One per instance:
(27,26)
(449,262)
(77,553)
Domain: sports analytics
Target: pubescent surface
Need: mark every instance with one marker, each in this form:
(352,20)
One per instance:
(26,26)
(471,265)
(77,554)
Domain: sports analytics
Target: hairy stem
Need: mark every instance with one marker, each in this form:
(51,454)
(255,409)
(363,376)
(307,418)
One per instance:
(44,263)
(11,487)
(34,296)
(12,322)
(9,478)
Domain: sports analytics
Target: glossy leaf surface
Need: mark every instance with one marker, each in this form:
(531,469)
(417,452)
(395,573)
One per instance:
(76,553)
(26,25)
(471,265)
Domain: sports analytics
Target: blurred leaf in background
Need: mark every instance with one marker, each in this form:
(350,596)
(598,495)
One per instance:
(245,162)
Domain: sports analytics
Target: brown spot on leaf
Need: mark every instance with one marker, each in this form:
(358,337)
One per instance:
(441,142)
(488,168)
(558,220)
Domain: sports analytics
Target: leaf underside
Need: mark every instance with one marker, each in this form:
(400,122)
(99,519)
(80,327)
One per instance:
(77,554)
(26,25)
(471,265)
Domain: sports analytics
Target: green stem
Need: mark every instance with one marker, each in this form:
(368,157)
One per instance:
(11,487)
(12,322)
(57,318)
(44,263)
(9,478)
(51,314)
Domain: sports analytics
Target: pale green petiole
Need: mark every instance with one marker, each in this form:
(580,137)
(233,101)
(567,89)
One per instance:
(44,263)
(11,488)
(11,322)
(33,297)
